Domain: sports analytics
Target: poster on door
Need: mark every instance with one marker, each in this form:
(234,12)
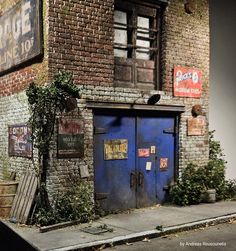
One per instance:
(19,141)
(115,149)
(187,82)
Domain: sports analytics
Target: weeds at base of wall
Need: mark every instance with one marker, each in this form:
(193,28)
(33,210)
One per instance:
(74,204)
(195,181)
(5,167)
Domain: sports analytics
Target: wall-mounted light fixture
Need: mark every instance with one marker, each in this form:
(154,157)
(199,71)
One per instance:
(154,99)
(197,110)
(189,6)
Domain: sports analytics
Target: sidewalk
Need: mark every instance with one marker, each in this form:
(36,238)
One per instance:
(135,225)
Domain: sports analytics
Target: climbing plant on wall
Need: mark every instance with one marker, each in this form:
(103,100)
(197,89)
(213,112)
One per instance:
(46,103)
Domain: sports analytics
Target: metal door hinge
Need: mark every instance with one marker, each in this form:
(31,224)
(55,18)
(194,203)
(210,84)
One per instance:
(100,130)
(170,131)
(101,196)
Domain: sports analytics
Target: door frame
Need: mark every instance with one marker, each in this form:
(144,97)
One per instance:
(155,111)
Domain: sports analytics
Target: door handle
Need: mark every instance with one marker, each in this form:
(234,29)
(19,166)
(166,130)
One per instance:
(132,179)
(140,179)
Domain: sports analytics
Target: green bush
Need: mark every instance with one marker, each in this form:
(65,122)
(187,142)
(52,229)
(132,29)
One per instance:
(196,180)
(74,204)
(230,191)
(188,190)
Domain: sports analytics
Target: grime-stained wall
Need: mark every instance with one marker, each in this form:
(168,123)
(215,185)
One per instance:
(80,39)
(13,101)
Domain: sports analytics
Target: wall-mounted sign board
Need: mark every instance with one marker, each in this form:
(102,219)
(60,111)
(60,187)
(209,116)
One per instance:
(70,138)
(19,141)
(196,126)
(187,82)
(115,149)
(20,34)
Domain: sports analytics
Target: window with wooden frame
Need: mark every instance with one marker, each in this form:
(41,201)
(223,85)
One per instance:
(136,45)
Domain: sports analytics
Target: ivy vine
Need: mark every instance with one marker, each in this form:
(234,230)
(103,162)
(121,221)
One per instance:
(46,103)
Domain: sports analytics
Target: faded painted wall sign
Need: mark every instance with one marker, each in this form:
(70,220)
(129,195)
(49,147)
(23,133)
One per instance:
(20,34)
(115,149)
(70,138)
(163,164)
(19,143)
(187,82)
(196,126)
(143,152)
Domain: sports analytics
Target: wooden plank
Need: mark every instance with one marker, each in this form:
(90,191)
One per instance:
(17,197)
(30,199)
(24,197)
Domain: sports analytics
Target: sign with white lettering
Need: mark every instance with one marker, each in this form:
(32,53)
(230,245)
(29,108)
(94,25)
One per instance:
(20,34)
(115,149)
(70,138)
(187,82)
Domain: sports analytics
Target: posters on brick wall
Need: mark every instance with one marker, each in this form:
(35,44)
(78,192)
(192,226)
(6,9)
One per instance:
(70,142)
(187,82)
(19,141)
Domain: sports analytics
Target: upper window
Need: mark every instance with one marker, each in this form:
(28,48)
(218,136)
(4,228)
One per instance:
(136,43)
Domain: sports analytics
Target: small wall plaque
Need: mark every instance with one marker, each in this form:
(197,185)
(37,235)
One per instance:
(196,126)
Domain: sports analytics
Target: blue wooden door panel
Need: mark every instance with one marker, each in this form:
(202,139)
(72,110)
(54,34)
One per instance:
(146,165)
(165,152)
(112,177)
(151,134)
(138,180)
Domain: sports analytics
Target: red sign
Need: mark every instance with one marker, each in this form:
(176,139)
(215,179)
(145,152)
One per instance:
(144,152)
(187,82)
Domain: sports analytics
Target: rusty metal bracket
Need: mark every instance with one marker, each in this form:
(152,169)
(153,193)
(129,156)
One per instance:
(100,130)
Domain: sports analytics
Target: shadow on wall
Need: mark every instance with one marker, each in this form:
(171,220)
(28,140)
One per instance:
(223,78)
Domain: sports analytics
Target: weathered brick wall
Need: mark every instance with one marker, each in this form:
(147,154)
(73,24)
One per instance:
(80,39)
(185,42)
(13,101)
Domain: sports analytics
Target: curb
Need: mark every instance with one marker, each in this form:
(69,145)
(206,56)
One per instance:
(149,234)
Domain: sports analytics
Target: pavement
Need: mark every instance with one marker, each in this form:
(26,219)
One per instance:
(126,227)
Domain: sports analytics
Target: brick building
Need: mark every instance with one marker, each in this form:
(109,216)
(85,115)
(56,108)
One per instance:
(141,66)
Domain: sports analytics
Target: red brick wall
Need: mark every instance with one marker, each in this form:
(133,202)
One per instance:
(81,40)
(18,79)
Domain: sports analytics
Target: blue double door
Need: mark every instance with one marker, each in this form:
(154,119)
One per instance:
(134,158)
